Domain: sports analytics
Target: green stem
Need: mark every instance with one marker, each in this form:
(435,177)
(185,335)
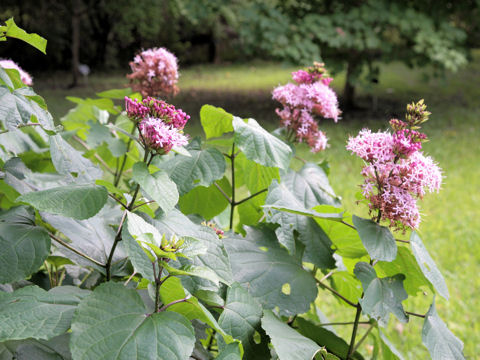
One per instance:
(78,252)
(232,205)
(362,339)
(354,332)
(118,172)
(250,197)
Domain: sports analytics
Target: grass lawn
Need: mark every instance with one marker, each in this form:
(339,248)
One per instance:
(450,228)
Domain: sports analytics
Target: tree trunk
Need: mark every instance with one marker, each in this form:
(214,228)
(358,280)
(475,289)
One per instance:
(349,89)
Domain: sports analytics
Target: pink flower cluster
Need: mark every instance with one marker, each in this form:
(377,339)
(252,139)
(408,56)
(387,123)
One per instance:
(154,73)
(396,173)
(302,102)
(24,76)
(156,108)
(160,136)
(160,124)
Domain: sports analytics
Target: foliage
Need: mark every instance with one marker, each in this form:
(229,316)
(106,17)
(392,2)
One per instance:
(148,281)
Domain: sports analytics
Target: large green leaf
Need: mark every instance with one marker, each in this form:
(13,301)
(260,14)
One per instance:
(256,177)
(347,285)
(323,337)
(389,352)
(311,185)
(259,145)
(318,247)
(172,290)
(32,312)
(377,239)
(56,348)
(269,273)
(206,201)
(215,121)
(123,329)
(19,107)
(158,186)
(230,352)
(288,343)
(93,237)
(381,296)
(202,168)
(68,161)
(428,266)
(10,29)
(439,340)
(24,245)
(240,318)
(75,201)
(406,264)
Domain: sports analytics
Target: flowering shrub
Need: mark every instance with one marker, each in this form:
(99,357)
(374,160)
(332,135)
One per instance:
(302,102)
(24,76)
(154,73)
(219,249)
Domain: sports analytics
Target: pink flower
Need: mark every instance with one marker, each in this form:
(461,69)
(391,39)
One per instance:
(154,73)
(396,173)
(159,136)
(301,102)
(24,76)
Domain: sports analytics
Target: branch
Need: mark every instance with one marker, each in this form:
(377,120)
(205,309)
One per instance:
(117,200)
(362,339)
(78,252)
(415,314)
(250,197)
(345,323)
(165,307)
(100,160)
(145,203)
(403,241)
(337,293)
(223,193)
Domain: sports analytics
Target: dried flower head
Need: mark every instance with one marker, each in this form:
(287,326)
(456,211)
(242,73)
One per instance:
(154,73)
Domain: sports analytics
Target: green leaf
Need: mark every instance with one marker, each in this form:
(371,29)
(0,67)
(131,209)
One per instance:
(389,352)
(142,264)
(194,270)
(439,340)
(381,296)
(124,329)
(255,176)
(32,312)
(347,285)
(202,168)
(93,237)
(118,94)
(24,245)
(76,201)
(404,263)
(377,239)
(158,186)
(311,185)
(20,107)
(334,344)
(215,121)
(428,266)
(288,343)
(318,247)
(310,213)
(12,30)
(266,270)
(259,145)
(345,239)
(230,352)
(240,318)
(67,160)
(206,201)
(172,290)
(54,349)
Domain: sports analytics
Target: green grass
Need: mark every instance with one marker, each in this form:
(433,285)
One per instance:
(450,227)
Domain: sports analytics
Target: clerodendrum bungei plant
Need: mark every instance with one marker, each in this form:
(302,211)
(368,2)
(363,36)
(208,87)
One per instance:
(122,239)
